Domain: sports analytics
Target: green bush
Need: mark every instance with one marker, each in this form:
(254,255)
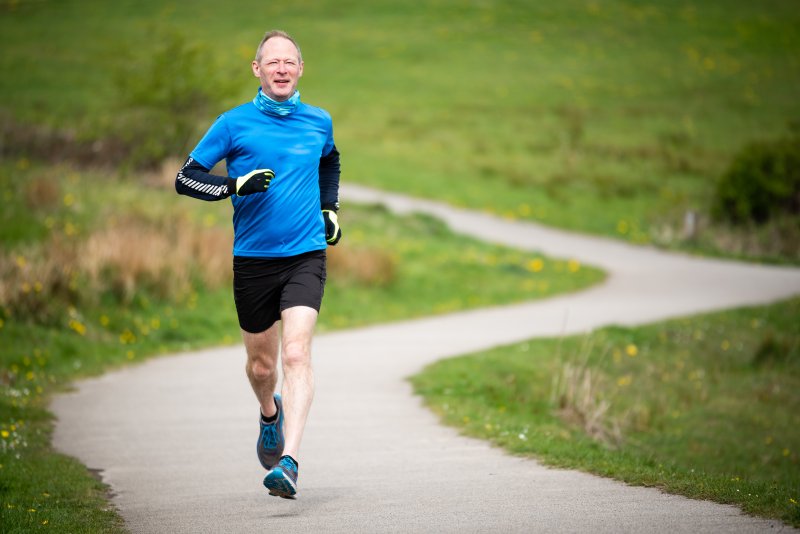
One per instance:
(164,94)
(762,183)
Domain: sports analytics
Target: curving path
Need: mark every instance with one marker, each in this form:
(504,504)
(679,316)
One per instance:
(174,437)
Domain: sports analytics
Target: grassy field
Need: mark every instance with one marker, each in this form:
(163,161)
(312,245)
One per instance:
(706,406)
(613,118)
(606,117)
(100,271)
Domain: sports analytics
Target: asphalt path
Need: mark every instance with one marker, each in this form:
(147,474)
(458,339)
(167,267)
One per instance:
(175,437)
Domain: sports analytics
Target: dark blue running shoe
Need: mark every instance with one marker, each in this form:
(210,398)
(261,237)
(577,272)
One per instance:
(282,480)
(270,440)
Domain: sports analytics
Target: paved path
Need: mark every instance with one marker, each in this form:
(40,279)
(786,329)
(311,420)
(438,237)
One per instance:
(174,437)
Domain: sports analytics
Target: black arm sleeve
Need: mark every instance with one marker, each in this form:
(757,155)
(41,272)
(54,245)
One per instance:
(329,172)
(195,181)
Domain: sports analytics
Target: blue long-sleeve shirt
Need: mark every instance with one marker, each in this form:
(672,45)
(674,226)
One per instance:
(285,220)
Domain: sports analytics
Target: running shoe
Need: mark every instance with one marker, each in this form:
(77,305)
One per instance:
(282,480)
(270,440)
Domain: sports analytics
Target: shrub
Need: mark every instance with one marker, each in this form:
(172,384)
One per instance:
(762,182)
(164,94)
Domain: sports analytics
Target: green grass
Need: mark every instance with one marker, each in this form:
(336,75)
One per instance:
(605,117)
(705,406)
(52,339)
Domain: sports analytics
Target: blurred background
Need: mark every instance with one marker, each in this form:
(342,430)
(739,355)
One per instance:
(673,124)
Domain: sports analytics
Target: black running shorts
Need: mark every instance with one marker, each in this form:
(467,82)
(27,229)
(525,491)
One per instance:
(264,287)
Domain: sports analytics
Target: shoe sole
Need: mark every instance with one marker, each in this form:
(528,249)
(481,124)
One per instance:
(280,487)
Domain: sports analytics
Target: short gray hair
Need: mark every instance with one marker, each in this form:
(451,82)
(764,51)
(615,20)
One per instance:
(276,33)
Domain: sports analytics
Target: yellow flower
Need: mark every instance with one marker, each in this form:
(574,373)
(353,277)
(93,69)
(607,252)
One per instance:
(535,265)
(573,266)
(622,227)
(631,350)
(69,199)
(4,433)
(725,345)
(77,326)
(104,320)
(624,380)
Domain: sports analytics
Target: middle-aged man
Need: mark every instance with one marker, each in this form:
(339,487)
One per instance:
(285,199)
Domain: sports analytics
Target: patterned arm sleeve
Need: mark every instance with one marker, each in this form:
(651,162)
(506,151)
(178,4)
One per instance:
(196,181)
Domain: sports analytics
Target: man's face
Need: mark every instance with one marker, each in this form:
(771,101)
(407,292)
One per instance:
(279,69)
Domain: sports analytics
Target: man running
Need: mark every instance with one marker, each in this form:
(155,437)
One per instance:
(285,199)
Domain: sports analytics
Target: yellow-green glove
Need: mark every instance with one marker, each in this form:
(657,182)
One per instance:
(254,182)
(332,231)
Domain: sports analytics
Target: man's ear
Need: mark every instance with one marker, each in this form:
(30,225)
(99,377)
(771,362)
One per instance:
(256,68)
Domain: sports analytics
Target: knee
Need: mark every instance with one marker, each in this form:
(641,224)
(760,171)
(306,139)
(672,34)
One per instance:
(296,354)
(260,371)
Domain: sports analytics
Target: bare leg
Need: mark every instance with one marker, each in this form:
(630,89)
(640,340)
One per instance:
(262,365)
(298,376)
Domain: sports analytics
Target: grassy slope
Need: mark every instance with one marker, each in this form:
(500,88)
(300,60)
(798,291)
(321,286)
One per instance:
(530,110)
(706,406)
(605,117)
(395,259)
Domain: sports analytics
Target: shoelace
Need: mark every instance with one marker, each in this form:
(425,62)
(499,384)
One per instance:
(269,436)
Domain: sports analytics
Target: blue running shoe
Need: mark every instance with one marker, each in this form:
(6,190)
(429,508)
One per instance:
(282,480)
(270,440)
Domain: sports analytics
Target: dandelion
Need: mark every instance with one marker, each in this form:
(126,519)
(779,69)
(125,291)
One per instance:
(725,345)
(624,381)
(573,266)
(130,355)
(631,350)
(535,265)
(45,521)
(524,210)
(69,199)
(622,227)
(127,337)
(104,320)
(21,261)
(4,433)
(77,326)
